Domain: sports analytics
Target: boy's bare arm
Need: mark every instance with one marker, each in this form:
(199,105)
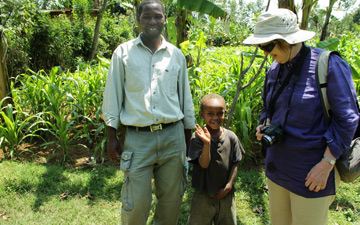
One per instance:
(204,135)
(223,192)
(233,173)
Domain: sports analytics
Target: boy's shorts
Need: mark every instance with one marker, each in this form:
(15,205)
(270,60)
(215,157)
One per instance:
(205,210)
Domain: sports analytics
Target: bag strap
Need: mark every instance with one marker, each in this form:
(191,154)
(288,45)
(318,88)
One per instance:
(321,72)
(296,69)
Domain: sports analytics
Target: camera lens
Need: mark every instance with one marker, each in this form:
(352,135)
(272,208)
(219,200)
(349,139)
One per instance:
(267,141)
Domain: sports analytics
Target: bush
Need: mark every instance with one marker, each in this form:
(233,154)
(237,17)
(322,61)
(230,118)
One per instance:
(16,23)
(41,42)
(113,32)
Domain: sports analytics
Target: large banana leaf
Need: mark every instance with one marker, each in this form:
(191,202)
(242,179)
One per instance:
(201,6)
(330,45)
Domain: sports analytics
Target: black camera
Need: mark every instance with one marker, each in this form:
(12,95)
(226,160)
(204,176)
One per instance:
(272,134)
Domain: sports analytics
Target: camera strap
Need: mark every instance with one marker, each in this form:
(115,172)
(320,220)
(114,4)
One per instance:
(296,69)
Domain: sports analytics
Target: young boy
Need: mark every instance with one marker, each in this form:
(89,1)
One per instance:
(215,153)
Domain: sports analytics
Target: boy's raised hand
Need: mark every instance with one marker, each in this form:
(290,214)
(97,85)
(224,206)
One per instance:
(203,134)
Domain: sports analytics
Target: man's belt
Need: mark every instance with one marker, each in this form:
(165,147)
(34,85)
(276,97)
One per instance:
(153,128)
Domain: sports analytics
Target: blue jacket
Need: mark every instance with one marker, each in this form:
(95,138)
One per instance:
(306,133)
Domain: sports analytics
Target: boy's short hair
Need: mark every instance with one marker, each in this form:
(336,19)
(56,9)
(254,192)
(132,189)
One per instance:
(144,2)
(208,97)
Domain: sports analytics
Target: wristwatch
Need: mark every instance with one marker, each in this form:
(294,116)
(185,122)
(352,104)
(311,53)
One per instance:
(331,161)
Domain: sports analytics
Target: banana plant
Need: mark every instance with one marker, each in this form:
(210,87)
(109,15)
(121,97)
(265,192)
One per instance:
(183,6)
(335,44)
(201,6)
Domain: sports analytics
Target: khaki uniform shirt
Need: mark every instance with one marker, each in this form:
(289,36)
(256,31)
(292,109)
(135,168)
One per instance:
(143,88)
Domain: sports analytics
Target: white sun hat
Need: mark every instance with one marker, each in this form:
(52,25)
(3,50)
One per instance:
(278,24)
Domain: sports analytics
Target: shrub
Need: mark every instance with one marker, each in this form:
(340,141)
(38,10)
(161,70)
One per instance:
(39,42)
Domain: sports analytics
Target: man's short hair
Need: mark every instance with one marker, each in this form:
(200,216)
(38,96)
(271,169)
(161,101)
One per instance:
(144,2)
(208,97)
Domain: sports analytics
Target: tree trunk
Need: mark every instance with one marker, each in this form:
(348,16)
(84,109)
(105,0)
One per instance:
(4,79)
(97,30)
(307,7)
(327,19)
(137,28)
(136,7)
(287,4)
(180,23)
(267,6)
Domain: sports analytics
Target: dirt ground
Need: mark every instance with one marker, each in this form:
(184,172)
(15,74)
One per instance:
(81,153)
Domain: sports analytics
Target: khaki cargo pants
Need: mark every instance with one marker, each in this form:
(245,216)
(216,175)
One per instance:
(287,208)
(159,154)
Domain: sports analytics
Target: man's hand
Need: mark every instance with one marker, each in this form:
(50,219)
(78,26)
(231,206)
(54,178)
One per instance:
(187,140)
(114,150)
(113,145)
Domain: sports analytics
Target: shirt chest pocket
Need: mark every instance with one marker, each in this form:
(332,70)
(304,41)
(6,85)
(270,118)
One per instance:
(168,78)
(136,78)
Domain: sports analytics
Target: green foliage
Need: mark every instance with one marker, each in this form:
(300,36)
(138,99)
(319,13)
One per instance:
(248,108)
(54,4)
(114,31)
(52,43)
(16,23)
(330,45)
(64,43)
(196,43)
(202,6)
(63,130)
(69,104)
(80,9)
(218,72)
(337,27)
(39,42)
(171,30)
(356,18)
(349,49)
(231,31)
(15,127)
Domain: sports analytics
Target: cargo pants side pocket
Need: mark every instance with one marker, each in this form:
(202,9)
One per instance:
(126,190)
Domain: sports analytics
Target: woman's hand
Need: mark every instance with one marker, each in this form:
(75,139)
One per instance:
(258,134)
(316,179)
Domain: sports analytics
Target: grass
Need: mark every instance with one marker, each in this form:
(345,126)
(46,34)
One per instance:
(33,193)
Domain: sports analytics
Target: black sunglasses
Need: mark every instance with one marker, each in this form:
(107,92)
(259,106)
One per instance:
(269,47)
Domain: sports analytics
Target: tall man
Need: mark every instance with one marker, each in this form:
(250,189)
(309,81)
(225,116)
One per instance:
(148,91)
